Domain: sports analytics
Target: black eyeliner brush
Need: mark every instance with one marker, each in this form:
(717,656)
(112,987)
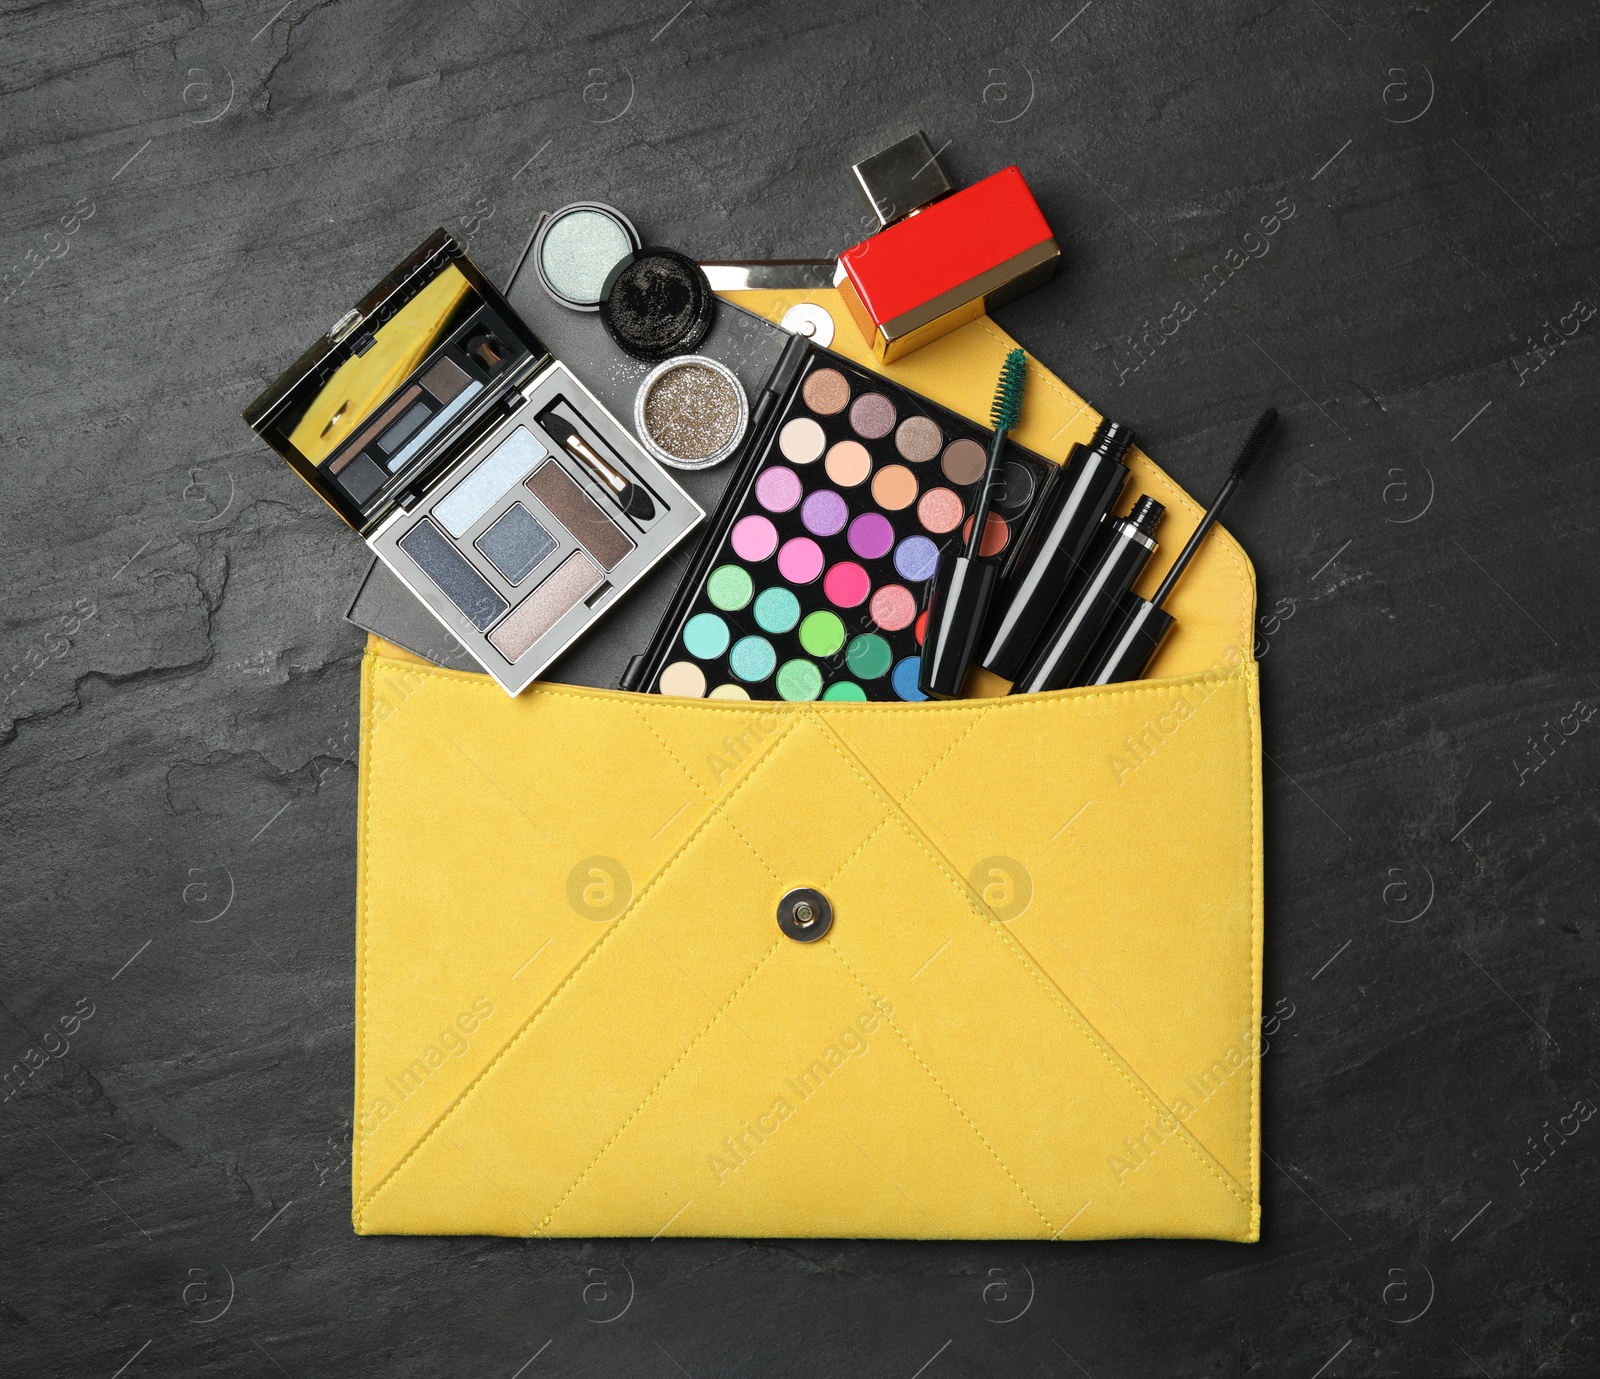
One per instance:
(964,583)
(1128,646)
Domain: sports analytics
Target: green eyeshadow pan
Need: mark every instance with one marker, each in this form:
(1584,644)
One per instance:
(799,679)
(822,633)
(730,587)
(777,610)
(869,656)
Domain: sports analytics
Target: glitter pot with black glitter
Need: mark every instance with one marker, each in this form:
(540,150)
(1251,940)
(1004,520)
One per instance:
(691,412)
(657,304)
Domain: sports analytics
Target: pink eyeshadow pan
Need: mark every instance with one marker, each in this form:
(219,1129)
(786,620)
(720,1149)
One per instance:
(800,560)
(872,415)
(892,607)
(939,510)
(846,585)
(753,538)
(778,489)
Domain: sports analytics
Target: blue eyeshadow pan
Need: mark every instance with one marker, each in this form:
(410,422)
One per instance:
(452,572)
(494,474)
(515,543)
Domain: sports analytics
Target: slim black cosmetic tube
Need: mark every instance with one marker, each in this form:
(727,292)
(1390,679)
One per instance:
(1127,645)
(1116,560)
(1049,559)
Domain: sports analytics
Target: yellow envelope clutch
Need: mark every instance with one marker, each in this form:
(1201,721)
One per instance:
(590,1000)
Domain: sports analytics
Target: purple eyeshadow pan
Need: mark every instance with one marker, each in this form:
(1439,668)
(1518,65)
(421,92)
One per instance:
(916,558)
(824,512)
(871,535)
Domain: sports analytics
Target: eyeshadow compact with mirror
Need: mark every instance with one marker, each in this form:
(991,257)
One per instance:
(498,489)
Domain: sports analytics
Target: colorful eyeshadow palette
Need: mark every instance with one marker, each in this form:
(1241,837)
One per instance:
(474,463)
(813,580)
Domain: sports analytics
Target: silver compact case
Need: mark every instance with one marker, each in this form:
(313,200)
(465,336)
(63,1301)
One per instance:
(499,490)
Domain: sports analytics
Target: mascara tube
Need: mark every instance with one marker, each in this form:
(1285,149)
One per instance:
(1115,561)
(1049,556)
(1131,638)
(1127,645)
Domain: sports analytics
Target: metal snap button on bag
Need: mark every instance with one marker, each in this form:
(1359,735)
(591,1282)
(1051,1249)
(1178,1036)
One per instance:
(805,915)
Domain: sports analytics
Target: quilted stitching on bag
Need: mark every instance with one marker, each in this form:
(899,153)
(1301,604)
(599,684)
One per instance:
(807,725)
(950,875)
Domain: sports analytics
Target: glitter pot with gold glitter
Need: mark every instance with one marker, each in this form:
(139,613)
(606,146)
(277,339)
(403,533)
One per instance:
(691,412)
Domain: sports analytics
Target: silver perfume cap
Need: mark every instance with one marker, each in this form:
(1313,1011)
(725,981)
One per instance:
(901,179)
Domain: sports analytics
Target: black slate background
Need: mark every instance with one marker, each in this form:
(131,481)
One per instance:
(179,712)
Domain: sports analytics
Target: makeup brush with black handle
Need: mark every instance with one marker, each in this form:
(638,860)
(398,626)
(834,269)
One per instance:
(964,583)
(1137,630)
(629,496)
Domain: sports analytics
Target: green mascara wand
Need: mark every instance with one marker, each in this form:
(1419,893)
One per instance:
(964,583)
(1005,412)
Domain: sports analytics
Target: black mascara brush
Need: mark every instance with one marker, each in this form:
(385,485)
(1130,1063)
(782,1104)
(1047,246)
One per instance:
(1128,646)
(964,583)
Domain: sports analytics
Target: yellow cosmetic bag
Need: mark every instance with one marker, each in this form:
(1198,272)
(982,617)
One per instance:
(1035,1014)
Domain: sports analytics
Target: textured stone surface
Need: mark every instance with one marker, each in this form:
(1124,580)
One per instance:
(177,818)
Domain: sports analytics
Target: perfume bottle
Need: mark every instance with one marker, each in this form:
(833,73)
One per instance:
(941,257)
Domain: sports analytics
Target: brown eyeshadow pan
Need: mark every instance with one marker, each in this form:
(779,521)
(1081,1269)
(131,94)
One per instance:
(376,427)
(445,380)
(579,514)
(918,439)
(826,391)
(964,461)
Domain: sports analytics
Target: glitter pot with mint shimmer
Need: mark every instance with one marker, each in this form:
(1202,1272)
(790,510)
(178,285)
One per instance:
(691,412)
(576,249)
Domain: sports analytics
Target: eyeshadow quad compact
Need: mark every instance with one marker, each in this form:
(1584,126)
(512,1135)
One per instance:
(813,581)
(498,489)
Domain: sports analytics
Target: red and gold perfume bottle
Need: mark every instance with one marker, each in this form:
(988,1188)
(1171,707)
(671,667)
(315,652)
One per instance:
(942,257)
